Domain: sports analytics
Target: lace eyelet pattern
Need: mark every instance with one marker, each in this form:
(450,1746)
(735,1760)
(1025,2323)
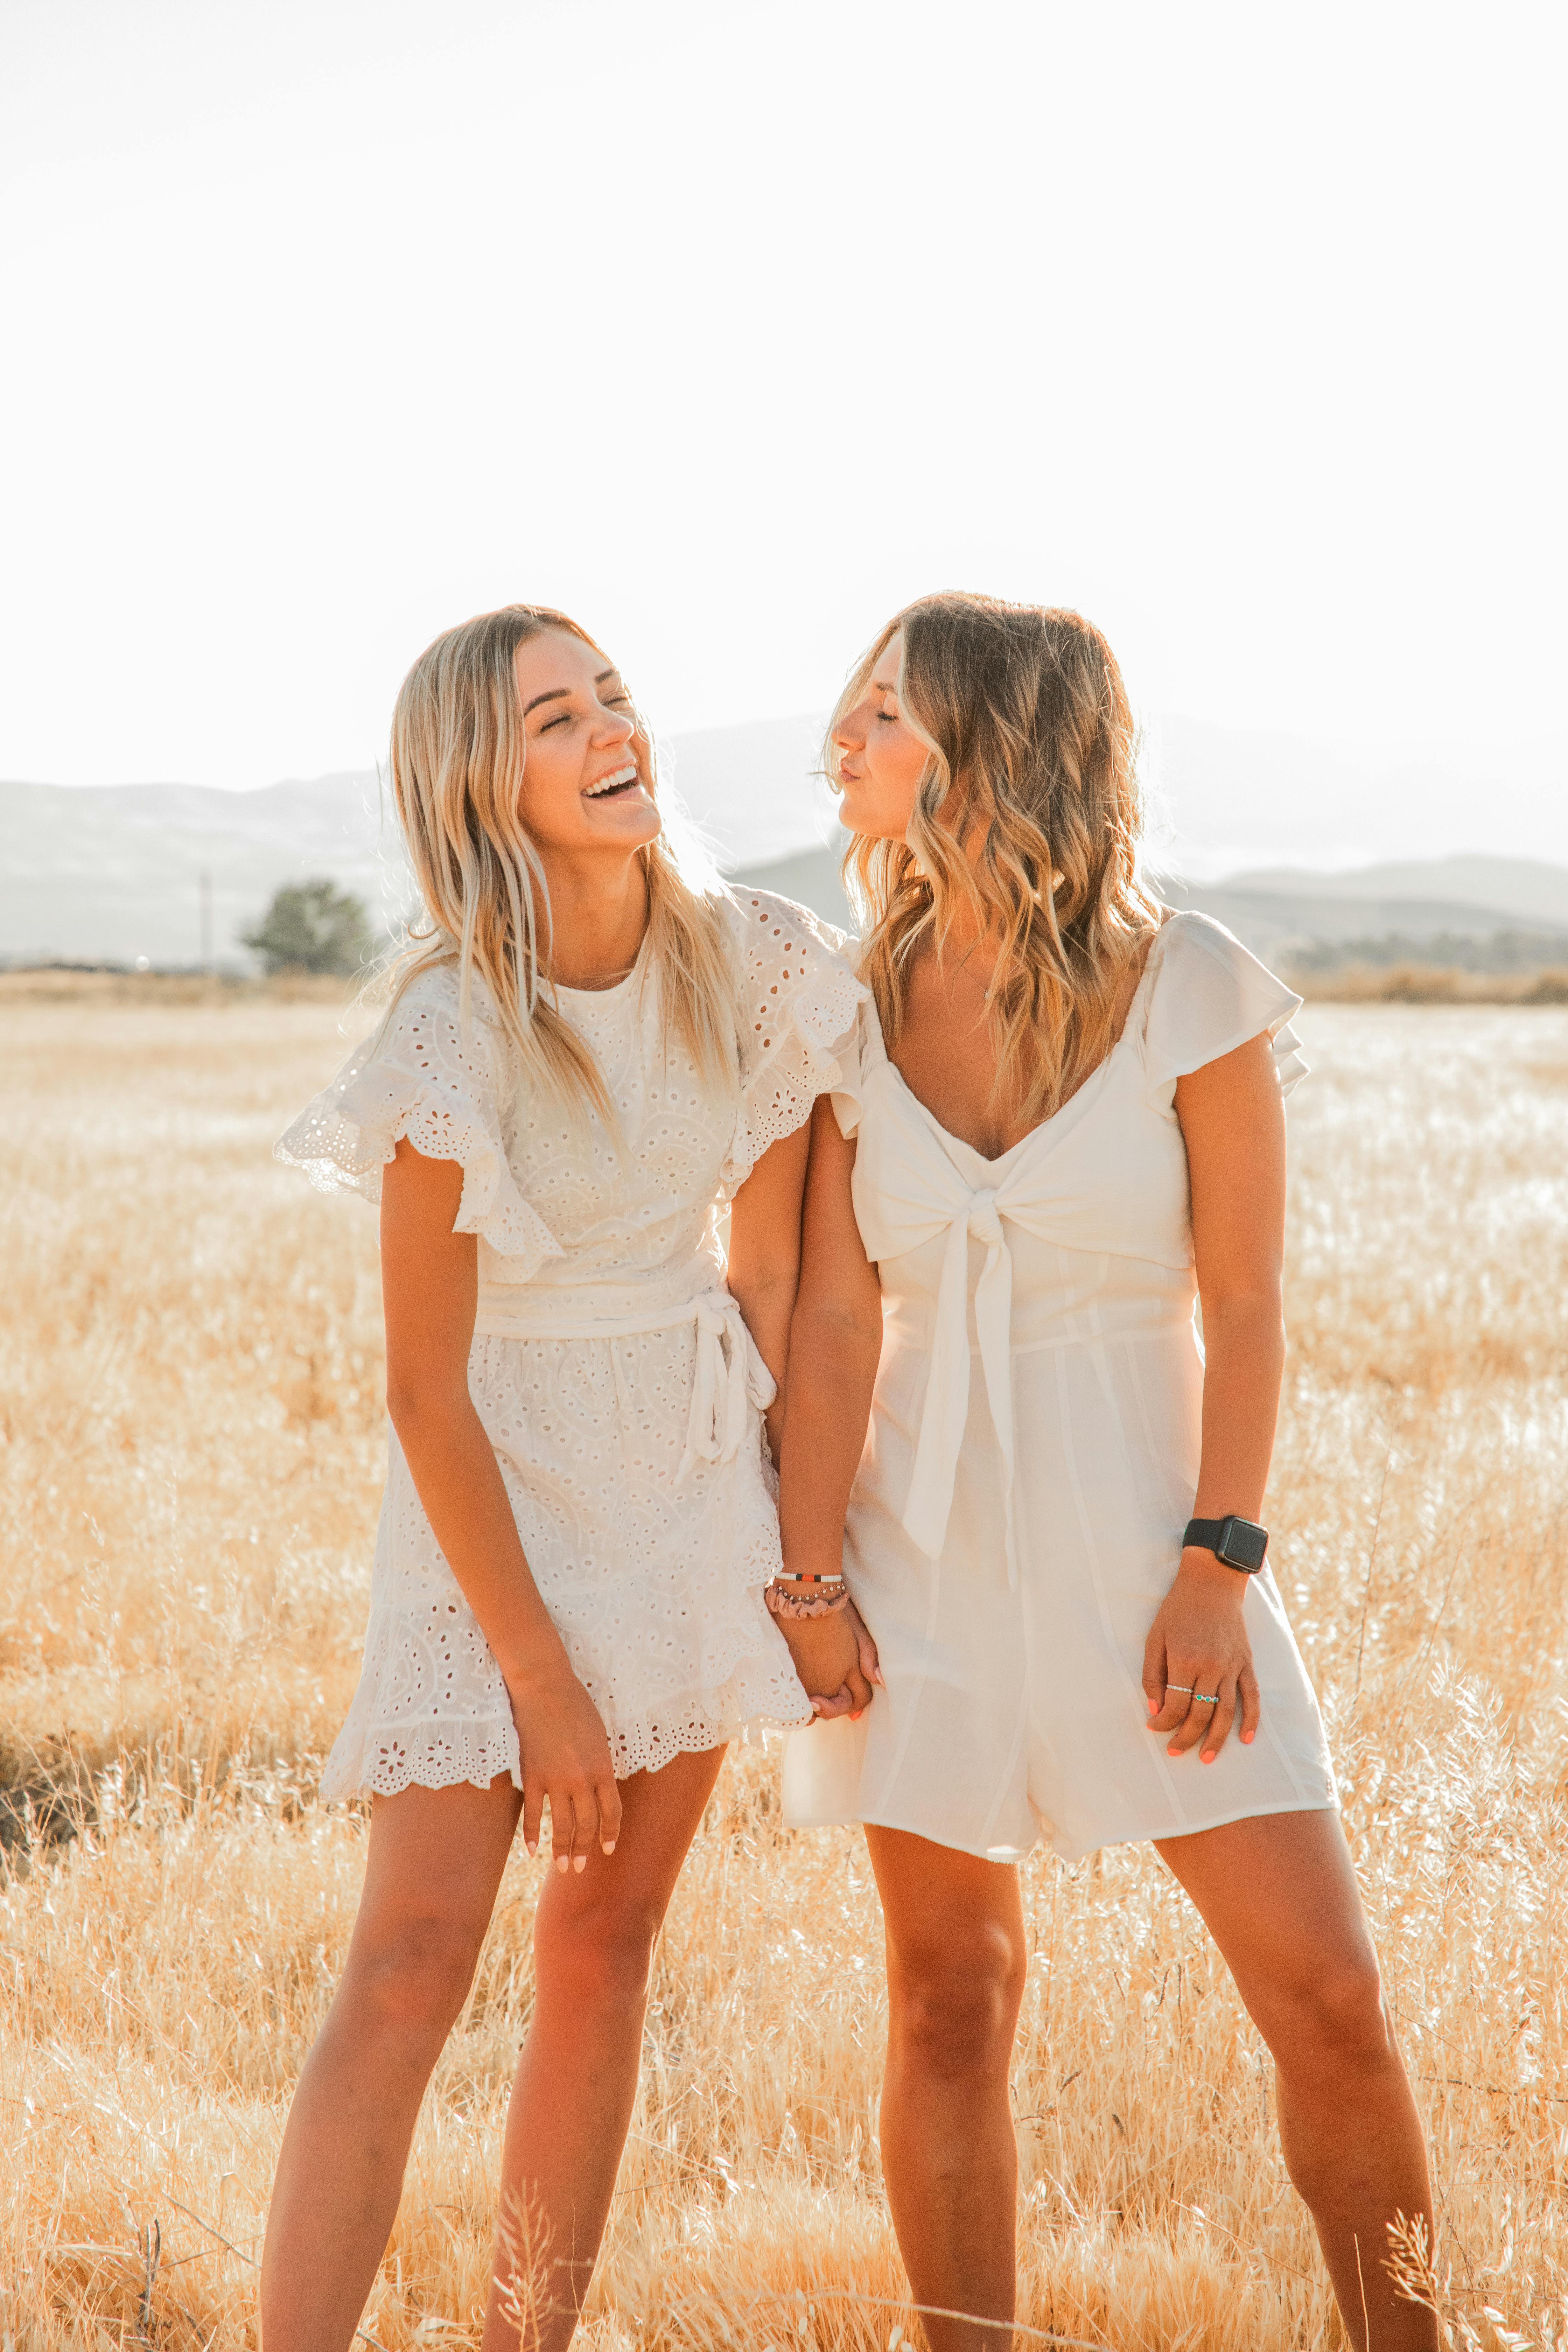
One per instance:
(654,1577)
(798,1015)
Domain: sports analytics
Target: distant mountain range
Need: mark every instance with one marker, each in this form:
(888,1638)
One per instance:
(1224,799)
(1494,914)
(1489,914)
(108,873)
(173,872)
(1519,888)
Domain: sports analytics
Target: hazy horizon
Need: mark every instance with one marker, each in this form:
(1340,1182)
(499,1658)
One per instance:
(1221,799)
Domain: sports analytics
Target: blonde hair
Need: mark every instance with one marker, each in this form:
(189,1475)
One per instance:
(1032,764)
(458,748)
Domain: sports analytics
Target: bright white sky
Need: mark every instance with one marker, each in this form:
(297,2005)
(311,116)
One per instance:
(730,327)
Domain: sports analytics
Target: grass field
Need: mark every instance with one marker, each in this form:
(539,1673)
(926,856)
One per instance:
(191,1465)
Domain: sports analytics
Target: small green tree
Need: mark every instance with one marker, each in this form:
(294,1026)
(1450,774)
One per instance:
(313,927)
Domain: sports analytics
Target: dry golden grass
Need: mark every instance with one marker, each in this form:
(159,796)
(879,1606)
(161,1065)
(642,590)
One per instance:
(1427,983)
(191,1464)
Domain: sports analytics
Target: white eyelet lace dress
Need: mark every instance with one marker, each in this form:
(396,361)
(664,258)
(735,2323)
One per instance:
(610,1365)
(1033,1455)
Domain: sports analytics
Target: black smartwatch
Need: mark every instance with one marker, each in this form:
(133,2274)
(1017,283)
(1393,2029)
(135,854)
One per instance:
(1240,1543)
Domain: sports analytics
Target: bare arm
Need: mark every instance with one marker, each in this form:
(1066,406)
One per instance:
(430,1289)
(1233,1122)
(764,1258)
(836,1342)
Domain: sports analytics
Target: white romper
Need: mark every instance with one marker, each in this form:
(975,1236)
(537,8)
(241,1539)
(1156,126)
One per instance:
(1033,1455)
(610,1365)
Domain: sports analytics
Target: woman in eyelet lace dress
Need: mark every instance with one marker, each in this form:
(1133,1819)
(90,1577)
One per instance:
(588,1062)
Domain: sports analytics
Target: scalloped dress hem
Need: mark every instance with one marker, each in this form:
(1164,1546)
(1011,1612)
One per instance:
(486,1750)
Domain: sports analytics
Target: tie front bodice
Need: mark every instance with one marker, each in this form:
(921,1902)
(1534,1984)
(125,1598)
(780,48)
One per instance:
(1079,1238)
(983,1221)
(910,1192)
(983,1256)
(975,1215)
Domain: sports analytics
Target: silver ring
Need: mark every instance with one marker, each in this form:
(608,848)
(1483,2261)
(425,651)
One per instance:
(1185,1687)
(1204,1699)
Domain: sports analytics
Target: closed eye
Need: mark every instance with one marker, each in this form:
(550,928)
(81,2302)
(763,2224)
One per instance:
(564,717)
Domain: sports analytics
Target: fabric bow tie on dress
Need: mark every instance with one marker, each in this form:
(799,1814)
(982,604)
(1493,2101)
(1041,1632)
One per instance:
(729,1371)
(908,1190)
(946,1408)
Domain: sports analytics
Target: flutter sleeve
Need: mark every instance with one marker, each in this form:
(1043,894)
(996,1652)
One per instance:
(419,1075)
(856,1054)
(799,1005)
(1208,996)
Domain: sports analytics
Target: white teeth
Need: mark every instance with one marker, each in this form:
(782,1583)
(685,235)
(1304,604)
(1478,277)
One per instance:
(622,776)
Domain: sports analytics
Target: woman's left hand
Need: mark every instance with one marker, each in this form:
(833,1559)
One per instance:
(1198,1661)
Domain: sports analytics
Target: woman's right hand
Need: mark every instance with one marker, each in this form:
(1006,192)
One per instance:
(836,1659)
(565,1757)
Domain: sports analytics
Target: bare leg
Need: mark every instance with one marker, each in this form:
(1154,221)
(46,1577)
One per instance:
(435,1863)
(1278,1895)
(571,2102)
(956,1959)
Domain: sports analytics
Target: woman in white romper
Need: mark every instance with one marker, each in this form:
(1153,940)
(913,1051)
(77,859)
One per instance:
(1065,1129)
(572,1598)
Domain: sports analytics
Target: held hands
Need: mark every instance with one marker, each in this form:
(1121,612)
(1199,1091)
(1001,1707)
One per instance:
(836,1659)
(566,1758)
(1198,1661)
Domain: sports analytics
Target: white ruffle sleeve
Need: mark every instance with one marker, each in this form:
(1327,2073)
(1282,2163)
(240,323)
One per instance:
(419,1077)
(857,1053)
(1208,996)
(799,1002)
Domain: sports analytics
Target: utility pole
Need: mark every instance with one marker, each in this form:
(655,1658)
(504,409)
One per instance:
(205,881)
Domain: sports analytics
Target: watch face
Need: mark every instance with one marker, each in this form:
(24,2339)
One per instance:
(1243,1544)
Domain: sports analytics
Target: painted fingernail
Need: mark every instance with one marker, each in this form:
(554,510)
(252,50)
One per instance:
(1248,1737)
(1208,1755)
(608,1846)
(579,1861)
(532,1846)
(561,1861)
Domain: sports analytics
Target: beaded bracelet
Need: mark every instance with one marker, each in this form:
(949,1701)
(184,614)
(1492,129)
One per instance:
(784,1602)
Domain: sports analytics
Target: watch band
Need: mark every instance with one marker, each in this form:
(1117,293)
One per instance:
(1241,1543)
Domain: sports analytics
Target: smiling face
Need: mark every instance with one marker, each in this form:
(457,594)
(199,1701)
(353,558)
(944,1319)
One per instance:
(585,777)
(881,759)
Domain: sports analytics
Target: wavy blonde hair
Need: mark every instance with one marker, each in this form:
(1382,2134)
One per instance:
(1032,768)
(459,750)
